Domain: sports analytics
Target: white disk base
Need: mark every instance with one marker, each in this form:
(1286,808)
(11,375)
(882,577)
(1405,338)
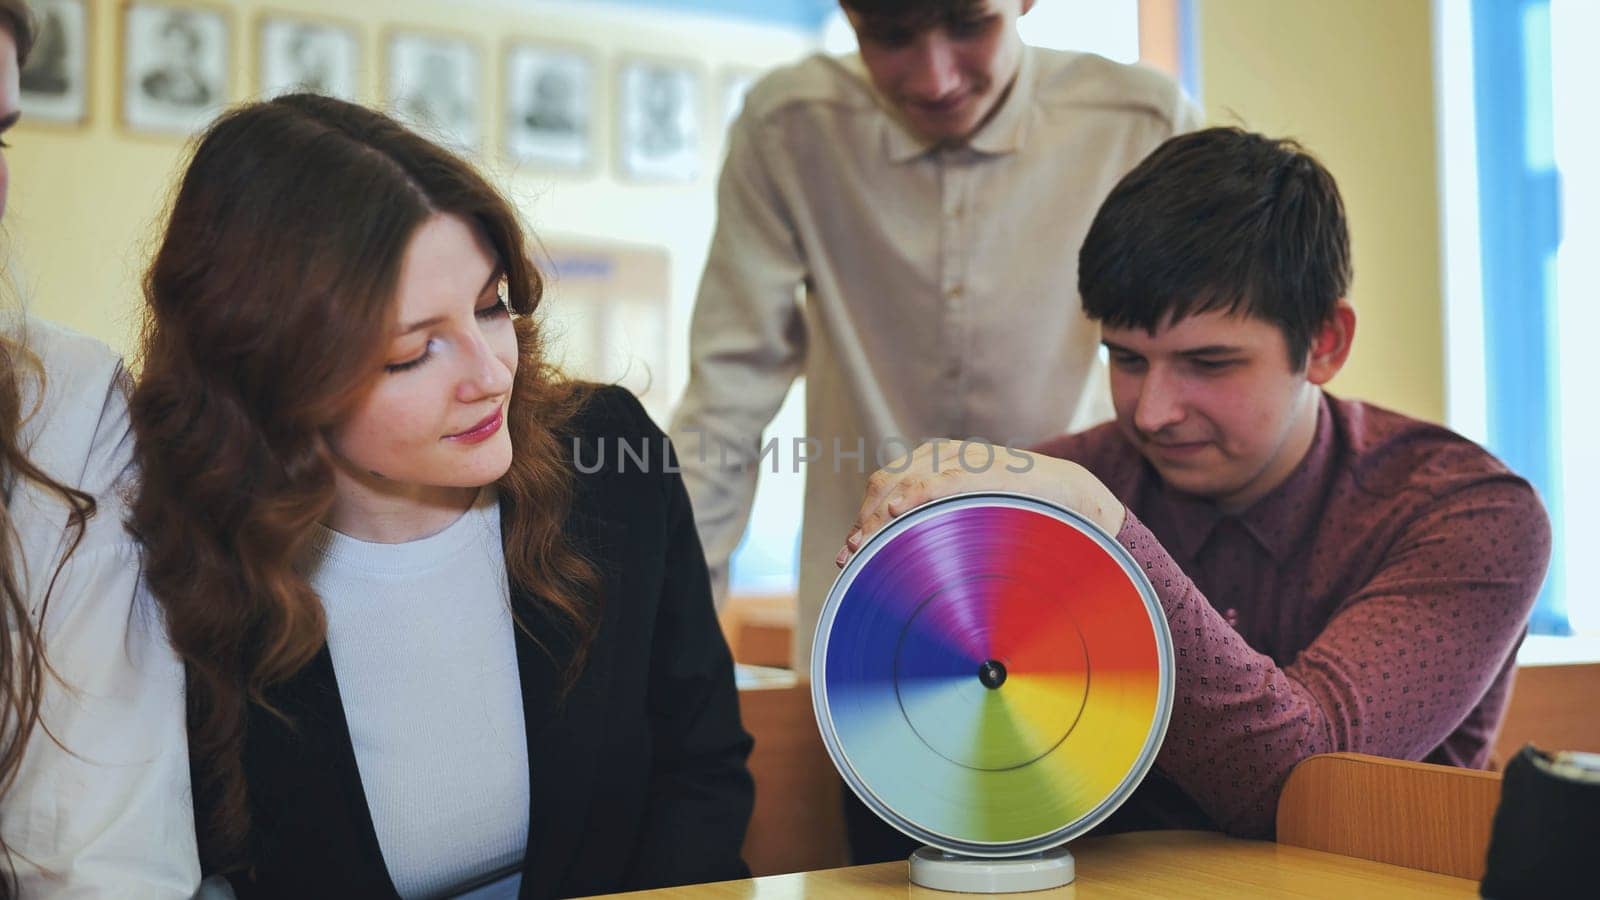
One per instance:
(943,871)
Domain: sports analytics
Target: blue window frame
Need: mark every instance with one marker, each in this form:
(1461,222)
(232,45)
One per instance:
(1519,194)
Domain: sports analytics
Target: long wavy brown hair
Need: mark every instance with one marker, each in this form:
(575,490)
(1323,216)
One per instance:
(23,666)
(269,307)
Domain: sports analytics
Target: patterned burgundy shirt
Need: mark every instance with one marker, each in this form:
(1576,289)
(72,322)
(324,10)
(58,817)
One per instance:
(1372,603)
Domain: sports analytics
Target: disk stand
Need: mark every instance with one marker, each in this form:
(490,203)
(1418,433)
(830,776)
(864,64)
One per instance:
(992,676)
(934,868)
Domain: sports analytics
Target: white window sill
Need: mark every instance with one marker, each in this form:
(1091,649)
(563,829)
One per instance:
(1545,650)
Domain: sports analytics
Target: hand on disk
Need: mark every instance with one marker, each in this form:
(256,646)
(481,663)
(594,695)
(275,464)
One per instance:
(942,468)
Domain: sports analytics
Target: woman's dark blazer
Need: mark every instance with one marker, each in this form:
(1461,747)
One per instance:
(637,777)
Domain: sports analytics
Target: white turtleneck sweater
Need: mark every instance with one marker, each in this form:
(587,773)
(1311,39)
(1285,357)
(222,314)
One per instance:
(422,644)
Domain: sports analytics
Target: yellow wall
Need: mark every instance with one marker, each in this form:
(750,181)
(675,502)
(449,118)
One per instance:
(1353,80)
(86,202)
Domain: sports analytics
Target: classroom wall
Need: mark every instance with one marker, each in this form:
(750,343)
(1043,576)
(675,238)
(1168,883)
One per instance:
(1353,80)
(86,202)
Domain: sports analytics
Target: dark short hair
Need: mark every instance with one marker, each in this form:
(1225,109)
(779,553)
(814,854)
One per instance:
(1220,220)
(910,15)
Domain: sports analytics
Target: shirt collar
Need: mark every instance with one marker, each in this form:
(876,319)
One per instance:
(1279,520)
(1192,518)
(1004,132)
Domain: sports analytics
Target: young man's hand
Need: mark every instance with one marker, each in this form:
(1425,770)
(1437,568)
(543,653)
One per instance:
(938,469)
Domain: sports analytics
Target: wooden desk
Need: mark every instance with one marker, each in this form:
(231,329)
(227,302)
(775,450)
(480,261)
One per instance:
(1153,864)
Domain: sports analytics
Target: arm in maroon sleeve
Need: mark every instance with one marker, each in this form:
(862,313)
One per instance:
(1396,670)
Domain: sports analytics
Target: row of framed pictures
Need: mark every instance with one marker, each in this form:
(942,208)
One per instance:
(176,71)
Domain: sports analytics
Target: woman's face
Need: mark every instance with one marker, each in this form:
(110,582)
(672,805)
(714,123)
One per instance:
(432,429)
(9,111)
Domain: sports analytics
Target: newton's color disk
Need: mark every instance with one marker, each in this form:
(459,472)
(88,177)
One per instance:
(992,674)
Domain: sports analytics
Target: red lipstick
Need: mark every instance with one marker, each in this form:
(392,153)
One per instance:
(480,432)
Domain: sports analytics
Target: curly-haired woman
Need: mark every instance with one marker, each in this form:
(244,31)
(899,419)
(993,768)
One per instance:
(431,643)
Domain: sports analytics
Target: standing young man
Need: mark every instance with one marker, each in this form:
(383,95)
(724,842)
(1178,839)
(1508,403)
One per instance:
(927,196)
(1336,576)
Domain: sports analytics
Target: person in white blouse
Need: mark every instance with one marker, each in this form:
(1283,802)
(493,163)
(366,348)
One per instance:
(94,768)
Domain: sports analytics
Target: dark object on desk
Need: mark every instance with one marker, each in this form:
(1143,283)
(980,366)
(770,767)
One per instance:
(1543,839)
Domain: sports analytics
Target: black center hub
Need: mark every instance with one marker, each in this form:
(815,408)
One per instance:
(992,673)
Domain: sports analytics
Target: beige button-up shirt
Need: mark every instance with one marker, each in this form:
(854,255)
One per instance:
(923,291)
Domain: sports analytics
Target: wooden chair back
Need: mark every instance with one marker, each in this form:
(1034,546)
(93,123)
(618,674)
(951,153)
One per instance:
(1551,707)
(798,824)
(1417,815)
(759,629)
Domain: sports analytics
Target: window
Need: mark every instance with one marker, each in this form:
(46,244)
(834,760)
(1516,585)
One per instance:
(1574,27)
(1520,154)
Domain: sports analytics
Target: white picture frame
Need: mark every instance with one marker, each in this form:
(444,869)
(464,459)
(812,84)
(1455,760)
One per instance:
(658,128)
(317,56)
(433,83)
(549,96)
(176,66)
(55,82)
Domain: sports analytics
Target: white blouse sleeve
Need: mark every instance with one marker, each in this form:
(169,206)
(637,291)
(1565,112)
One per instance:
(101,805)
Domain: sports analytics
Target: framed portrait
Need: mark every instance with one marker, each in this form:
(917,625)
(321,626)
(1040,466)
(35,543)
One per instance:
(312,55)
(55,82)
(433,84)
(175,66)
(549,103)
(658,106)
(606,315)
(734,85)
(635,334)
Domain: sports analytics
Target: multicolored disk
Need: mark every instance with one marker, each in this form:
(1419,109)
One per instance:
(992,674)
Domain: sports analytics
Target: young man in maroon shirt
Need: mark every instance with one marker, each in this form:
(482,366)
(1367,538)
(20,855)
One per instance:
(1336,576)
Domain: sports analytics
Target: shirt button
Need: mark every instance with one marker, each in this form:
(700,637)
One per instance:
(953,292)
